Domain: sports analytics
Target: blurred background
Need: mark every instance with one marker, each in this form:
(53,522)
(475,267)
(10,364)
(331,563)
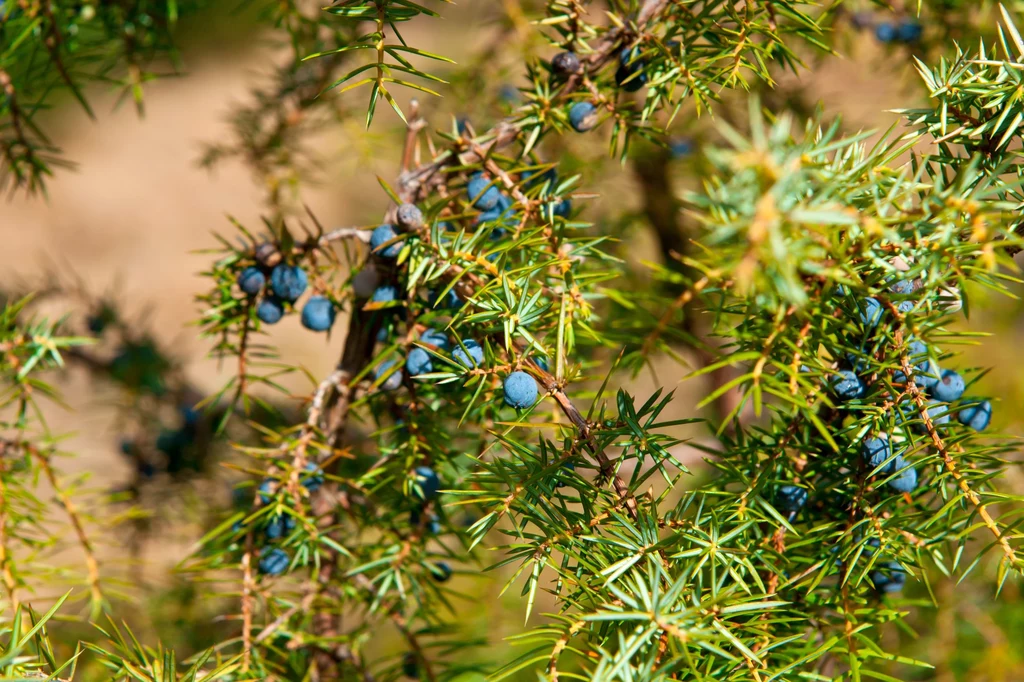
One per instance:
(125,228)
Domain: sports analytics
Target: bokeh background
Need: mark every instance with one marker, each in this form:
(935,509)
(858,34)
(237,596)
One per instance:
(128,223)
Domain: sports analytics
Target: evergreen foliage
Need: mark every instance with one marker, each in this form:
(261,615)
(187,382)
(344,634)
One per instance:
(477,418)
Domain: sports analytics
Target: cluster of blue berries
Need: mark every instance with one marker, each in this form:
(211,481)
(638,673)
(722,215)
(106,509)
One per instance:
(428,484)
(883,453)
(944,387)
(275,560)
(287,283)
(887,577)
(906,30)
(630,76)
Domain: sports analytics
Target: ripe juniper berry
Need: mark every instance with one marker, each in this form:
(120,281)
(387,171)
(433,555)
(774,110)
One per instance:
(870,312)
(273,561)
(409,216)
(471,356)
(482,193)
(251,281)
(976,414)
(270,310)
(630,76)
(520,390)
(906,479)
(441,572)
(394,378)
(288,282)
(267,487)
(885,32)
(875,451)
(888,577)
(680,147)
(433,337)
(902,287)
(908,31)
(381,235)
(385,293)
(427,481)
(938,413)
(790,498)
(847,385)
(565,63)
(318,314)
(313,479)
(949,387)
(449,300)
(583,116)
(279,526)
(418,362)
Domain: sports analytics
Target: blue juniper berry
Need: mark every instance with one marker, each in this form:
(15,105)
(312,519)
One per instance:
(427,481)
(565,474)
(520,390)
(531,178)
(906,479)
(876,451)
(582,117)
(273,561)
(472,356)
(318,314)
(381,235)
(902,287)
(270,310)
(251,281)
(394,378)
(847,385)
(279,526)
(885,32)
(938,412)
(680,147)
(888,577)
(482,193)
(790,498)
(385,293)
(870,312)
(976,414)
(409,216)
(908,31)
(949,387)
(433,337)
(267,488)
(441,572)
(418,362)
(313,479)
(630,76)
(288,282)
